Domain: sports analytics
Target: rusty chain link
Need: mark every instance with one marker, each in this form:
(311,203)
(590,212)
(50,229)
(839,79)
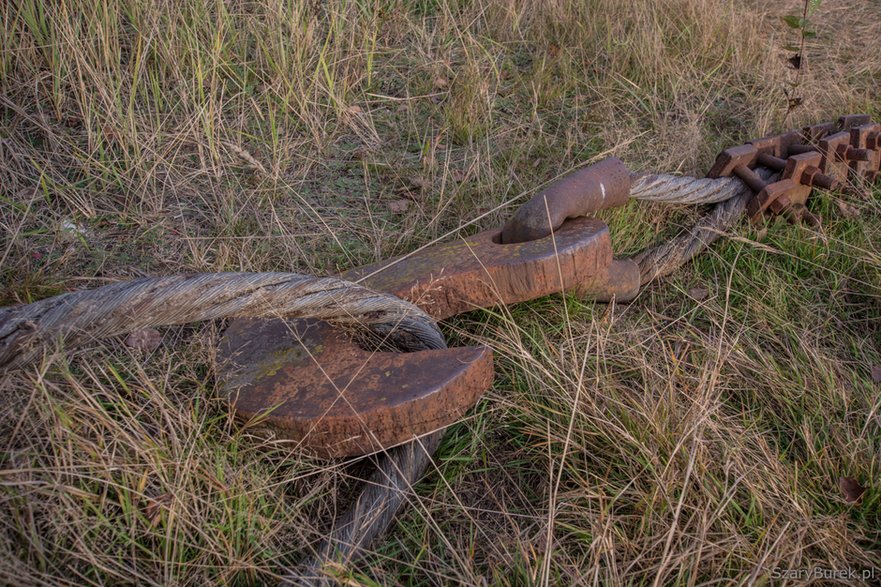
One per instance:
(825,155)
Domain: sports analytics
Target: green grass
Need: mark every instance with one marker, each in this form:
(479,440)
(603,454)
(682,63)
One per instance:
(671,441)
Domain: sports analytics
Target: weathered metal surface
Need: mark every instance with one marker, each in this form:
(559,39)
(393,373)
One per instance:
(621,283)
(805,169)
(772,192)
(800,173)
(851,148)
(822,155)
(815,132)
(732,158)
(298,376)
(803,148)
(849,121)
(479,272)
(833,163)
(777,145)
(290,373)
(867,137)
(600,186)
(771,161)
(312,384)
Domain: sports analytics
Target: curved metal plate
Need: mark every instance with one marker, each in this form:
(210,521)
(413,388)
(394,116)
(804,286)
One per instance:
(478,272)
(312,384)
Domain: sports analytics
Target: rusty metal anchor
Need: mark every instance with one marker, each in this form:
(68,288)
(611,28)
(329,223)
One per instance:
(318,387)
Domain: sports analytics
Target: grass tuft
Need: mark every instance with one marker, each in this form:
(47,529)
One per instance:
(674,440)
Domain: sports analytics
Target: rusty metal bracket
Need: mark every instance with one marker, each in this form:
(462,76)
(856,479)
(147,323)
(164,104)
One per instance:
(834,147)
(776,196)
(318,387)
(777,145)
(790,194)
(866,138)
(822,155)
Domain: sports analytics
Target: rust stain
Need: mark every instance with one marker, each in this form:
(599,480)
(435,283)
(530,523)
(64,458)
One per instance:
(314,385)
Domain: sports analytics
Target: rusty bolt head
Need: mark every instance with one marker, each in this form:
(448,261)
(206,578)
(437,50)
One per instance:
(796,165)
(780,204)
(813,176)
(849,153)
(771,193)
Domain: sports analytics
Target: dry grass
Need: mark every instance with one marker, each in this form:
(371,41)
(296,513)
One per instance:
(672,441)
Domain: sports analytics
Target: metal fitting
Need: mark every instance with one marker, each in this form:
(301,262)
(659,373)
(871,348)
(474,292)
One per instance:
(849,153)
(600,186)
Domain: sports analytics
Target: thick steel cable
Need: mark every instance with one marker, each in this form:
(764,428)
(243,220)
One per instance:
(75,318)
(681,189)
(374,510)
(730,196)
